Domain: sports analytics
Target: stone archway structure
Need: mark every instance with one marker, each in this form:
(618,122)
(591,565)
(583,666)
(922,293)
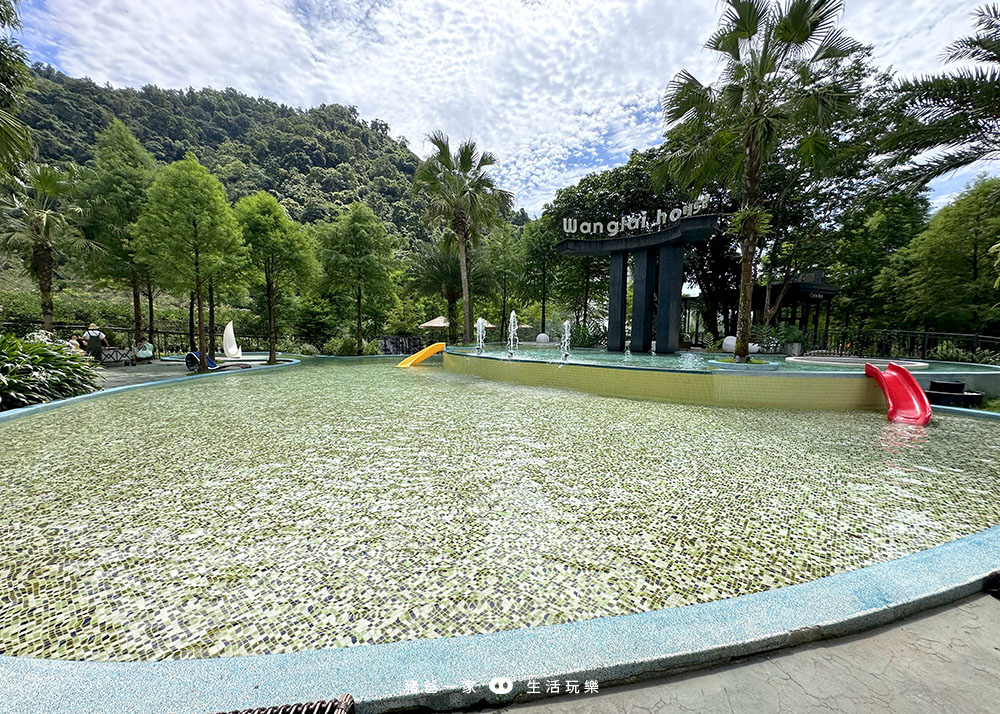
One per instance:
(658,269)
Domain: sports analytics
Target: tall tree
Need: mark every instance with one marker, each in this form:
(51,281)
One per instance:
(946,277)
(115,191)
(538,248)
(359,255)
(281,252)
(461,193)
(435,272)
(768,94)
(40,221)
(187,233)
(870,236)
(956,115)
(503,257)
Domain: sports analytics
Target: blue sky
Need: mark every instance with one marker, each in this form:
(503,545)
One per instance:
(555,88)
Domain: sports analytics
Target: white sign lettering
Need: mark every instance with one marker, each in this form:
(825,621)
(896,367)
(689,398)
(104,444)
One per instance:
(634,221)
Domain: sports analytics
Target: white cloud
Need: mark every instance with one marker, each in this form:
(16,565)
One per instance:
(556,88)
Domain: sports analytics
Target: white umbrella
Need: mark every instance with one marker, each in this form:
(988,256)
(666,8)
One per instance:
(438,323)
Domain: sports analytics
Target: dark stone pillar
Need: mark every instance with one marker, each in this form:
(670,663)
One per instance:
(643,283)
(668,298)
(617,293)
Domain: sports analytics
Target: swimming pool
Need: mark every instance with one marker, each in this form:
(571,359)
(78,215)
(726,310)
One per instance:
(333,504)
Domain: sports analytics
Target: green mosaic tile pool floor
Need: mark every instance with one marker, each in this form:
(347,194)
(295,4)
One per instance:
(334,504)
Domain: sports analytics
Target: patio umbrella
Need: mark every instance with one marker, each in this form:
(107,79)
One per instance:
(438,323)
(489,325)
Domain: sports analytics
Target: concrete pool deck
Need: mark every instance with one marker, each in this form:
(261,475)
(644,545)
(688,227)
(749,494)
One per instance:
(945,660)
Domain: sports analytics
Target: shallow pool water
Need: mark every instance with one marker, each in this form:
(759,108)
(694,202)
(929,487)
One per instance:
(335,503)
(697,361)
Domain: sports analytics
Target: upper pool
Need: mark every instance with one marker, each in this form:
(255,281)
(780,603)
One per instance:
(335,503)
(697,361)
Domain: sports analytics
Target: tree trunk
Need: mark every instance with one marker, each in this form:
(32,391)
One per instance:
(466,303)
(503,308)
(202,356)
(211,318)
(272,325)
(136,307)
(452,321)
(748,237)
(360,349)
(544,266)
(586,289)
(191,347)
(149,297)
(42,266)
(742,353)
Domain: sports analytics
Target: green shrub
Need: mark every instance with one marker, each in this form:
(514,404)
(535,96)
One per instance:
(949,352)
(767,336)
(712,344)
(343,347)
(587,336)
(34,372)
(373,347)
(330,346)
(295,347)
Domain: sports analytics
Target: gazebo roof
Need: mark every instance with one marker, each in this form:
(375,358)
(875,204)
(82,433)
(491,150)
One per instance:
(439,323)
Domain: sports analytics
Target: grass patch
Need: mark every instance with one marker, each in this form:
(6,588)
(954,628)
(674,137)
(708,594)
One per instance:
(991,405)
(732,360)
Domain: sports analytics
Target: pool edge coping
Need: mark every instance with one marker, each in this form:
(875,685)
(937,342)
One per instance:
(12,414)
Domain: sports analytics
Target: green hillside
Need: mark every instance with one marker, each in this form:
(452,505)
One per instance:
(313,160)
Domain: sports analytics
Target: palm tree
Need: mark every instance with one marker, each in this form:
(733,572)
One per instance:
(957,113)
(435,272)
(779,87)
(40,221)
(463,196)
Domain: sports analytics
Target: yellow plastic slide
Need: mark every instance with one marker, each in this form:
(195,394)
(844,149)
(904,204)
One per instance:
(422,355)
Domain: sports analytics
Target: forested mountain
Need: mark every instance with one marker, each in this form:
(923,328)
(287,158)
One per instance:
(313,160)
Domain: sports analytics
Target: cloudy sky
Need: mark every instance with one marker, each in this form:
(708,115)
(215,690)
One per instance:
(555,88)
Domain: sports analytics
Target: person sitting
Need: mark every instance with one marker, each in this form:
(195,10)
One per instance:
(143,350)
(77,343)
(96,342)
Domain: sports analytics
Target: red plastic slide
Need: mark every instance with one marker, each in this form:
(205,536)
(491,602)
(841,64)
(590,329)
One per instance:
(906,399)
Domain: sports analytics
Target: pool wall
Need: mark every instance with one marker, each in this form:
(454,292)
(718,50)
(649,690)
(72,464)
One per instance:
(789,390)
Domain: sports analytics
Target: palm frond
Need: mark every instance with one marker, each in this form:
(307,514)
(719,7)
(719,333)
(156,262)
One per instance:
(805,22)
(725,41)
(920,174)
(835,45)
(686,96)
(15,141)
(974,90)
(743,18)
(980,48)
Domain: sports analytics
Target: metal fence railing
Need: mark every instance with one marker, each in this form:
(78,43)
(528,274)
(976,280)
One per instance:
(173,341)
(887,344)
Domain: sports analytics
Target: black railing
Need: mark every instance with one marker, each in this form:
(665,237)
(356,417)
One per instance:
(173,341)
(888,344)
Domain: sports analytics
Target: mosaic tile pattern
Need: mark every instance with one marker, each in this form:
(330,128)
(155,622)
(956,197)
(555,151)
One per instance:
(336,504)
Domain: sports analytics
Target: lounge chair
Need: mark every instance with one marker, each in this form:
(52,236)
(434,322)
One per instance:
(193,360)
